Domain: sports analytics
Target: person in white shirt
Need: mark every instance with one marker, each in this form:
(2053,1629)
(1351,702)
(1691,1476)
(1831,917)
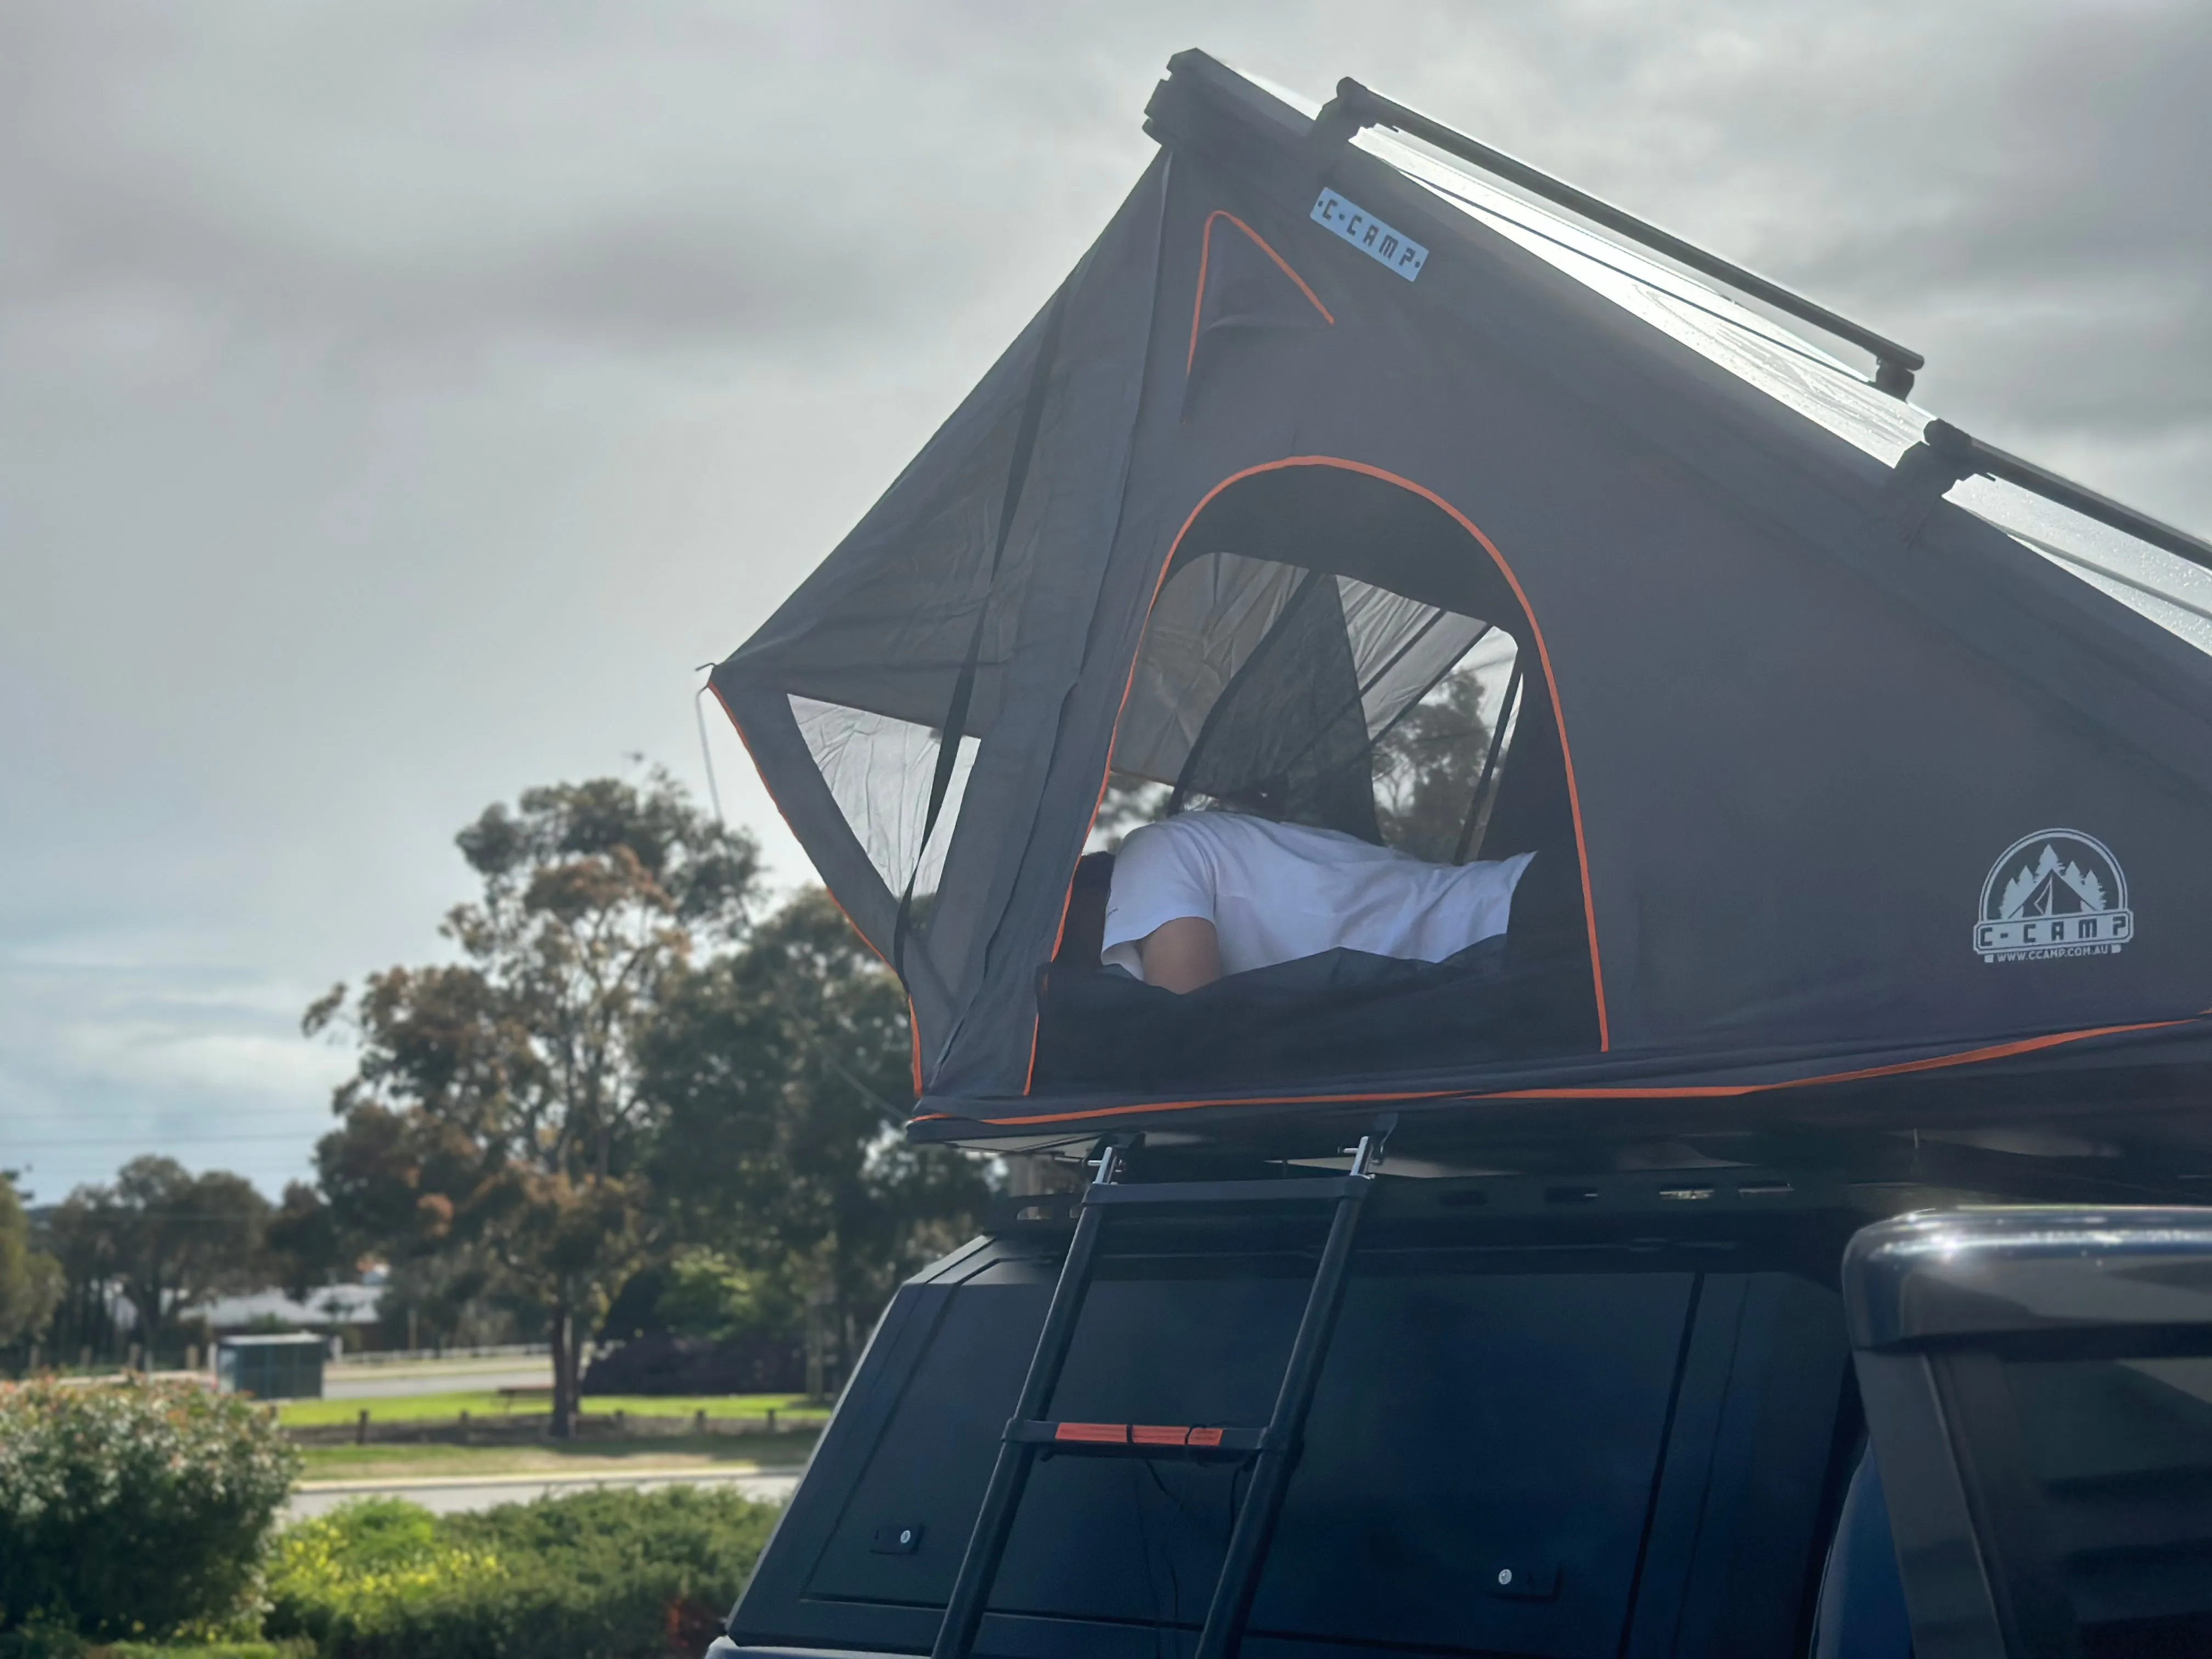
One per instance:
(1208,893)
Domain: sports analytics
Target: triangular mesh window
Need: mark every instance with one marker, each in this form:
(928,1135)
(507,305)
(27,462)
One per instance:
(880,772)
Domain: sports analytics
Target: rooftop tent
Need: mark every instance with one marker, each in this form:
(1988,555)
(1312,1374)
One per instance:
(1352,480)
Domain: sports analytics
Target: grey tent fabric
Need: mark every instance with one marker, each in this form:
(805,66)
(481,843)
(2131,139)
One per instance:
(1790,703)
(882,629)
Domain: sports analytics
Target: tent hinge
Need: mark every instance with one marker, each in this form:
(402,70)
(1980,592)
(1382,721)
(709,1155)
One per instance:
(1923,476)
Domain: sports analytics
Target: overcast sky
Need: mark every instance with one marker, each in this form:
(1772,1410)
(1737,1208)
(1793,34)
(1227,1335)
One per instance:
(397,400)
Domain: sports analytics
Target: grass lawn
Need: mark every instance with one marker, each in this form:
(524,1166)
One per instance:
(487,1402)
(675,1452)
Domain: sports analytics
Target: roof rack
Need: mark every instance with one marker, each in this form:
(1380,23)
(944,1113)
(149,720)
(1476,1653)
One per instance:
(1356,107)
(1968,456)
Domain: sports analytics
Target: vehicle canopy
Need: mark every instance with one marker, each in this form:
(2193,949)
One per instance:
(1348,481)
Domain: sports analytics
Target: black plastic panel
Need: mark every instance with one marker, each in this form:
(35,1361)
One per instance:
(1647,1450)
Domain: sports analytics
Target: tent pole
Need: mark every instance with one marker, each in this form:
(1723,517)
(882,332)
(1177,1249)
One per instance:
(1356,107)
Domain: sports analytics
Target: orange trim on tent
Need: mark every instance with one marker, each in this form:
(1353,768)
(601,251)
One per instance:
(1715,1091)
(1939,1062)
(1558,714)
(1205,252)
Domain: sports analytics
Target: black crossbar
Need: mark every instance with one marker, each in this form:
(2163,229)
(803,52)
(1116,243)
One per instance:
(1355,107)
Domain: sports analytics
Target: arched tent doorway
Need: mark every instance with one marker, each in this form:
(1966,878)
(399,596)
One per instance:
(1331,645)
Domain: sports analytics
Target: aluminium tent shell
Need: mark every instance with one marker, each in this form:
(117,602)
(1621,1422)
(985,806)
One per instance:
(1868,768)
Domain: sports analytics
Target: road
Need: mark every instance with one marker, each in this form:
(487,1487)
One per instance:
(449,1494)
(344,1382)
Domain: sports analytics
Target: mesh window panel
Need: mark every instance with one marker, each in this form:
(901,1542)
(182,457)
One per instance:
(2173,593)
(1209,619)
(1400,647)
(1439,762)
(1315,698)
(879,771)
(1288,738)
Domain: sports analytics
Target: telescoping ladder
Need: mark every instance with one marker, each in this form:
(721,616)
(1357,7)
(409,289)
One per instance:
(1271,1451)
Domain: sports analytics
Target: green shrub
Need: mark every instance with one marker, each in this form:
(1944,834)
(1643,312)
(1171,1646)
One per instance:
(300,1649)
(49,1643)
(134,1509)
(599,1574)
(365,1569)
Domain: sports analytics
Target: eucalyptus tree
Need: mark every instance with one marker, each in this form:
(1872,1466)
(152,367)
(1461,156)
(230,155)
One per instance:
(496,1111)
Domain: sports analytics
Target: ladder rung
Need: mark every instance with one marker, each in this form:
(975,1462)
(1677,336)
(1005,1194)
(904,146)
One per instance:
(1305,1189)
(1138,1439)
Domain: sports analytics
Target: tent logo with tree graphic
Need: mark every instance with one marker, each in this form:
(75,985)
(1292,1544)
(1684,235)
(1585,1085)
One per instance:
(2055,893)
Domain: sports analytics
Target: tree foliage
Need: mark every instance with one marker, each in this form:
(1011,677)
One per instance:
(496,1114)
(305,1248)
(623,1066)
(166,1237)
(1428,766)
(782,1075)
(30,1279)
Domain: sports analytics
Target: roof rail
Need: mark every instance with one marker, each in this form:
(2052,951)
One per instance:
(1356,107)
(1967,456)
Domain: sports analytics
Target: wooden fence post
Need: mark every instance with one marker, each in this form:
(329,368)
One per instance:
(361,1428)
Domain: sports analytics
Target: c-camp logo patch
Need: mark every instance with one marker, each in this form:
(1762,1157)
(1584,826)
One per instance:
(2055,893)
(1369,235)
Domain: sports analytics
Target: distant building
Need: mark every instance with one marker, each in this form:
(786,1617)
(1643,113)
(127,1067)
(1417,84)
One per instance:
(343,1311)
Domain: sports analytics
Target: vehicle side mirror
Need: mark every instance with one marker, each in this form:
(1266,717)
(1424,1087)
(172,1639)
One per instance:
(2038,1384)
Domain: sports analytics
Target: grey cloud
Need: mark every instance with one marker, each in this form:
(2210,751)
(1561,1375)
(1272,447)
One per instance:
(2013,189)
(725,183)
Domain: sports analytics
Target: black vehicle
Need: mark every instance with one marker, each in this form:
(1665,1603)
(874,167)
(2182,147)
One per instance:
(1366,479)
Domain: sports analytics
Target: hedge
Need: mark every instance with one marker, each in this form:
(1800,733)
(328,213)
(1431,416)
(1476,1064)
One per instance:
(597,1575)
(46,1643)
(133,1510)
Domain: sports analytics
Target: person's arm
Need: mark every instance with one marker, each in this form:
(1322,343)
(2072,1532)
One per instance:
(1181,954)
(1159,910)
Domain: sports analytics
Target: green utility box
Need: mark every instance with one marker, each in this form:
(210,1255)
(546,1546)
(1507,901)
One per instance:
(288,1367)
